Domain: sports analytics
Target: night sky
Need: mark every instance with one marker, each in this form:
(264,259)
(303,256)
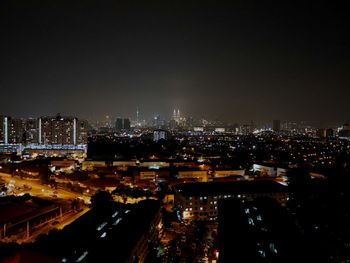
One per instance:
(230,60)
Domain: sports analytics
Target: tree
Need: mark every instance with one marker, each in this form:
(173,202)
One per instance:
(101,198)
(121,191)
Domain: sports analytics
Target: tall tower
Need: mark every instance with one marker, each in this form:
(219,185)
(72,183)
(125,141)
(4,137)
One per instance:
(137,116)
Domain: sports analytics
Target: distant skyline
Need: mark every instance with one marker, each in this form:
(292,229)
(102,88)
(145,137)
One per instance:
(149,119)
(234,61)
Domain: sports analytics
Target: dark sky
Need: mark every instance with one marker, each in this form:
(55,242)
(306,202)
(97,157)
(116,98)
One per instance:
(231,60)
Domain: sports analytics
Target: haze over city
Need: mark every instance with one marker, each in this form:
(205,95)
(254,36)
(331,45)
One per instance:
(234,61)
(174,131)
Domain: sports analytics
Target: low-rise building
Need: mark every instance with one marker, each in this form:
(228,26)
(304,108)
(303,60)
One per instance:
(201,176)
(199,201)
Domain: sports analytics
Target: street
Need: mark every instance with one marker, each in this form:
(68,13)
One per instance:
(35,188)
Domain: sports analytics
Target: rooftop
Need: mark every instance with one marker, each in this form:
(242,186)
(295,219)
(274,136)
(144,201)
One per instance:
(229,187)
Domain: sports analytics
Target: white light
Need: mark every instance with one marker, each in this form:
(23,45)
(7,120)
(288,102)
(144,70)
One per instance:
(82,256)
(101,226)
(262,253)
(115,214)
(5,130)
(250,221)
(273,248)
(117,221)
(40,131)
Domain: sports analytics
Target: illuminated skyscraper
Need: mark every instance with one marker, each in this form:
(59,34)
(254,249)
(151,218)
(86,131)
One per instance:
(122,125)
(176,116)
(276,125)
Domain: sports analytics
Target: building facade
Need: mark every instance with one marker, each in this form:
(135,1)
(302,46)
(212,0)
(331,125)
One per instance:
(62,130)
(199,201)
(122,125)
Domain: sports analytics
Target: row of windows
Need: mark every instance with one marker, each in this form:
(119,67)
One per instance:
(200,208)
(203,198)
(197,203)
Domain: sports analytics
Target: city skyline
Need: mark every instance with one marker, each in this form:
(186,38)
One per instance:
(138,119)
(232,61)
(174,131)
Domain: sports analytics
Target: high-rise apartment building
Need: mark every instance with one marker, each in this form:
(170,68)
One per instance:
(11,130)
(31,133)
(15,130)
(160,135)
(62,130)
(45,130)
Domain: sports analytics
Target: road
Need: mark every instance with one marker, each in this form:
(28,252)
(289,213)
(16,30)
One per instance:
(35,188)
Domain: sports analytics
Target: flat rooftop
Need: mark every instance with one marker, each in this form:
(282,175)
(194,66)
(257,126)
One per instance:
(229,187)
